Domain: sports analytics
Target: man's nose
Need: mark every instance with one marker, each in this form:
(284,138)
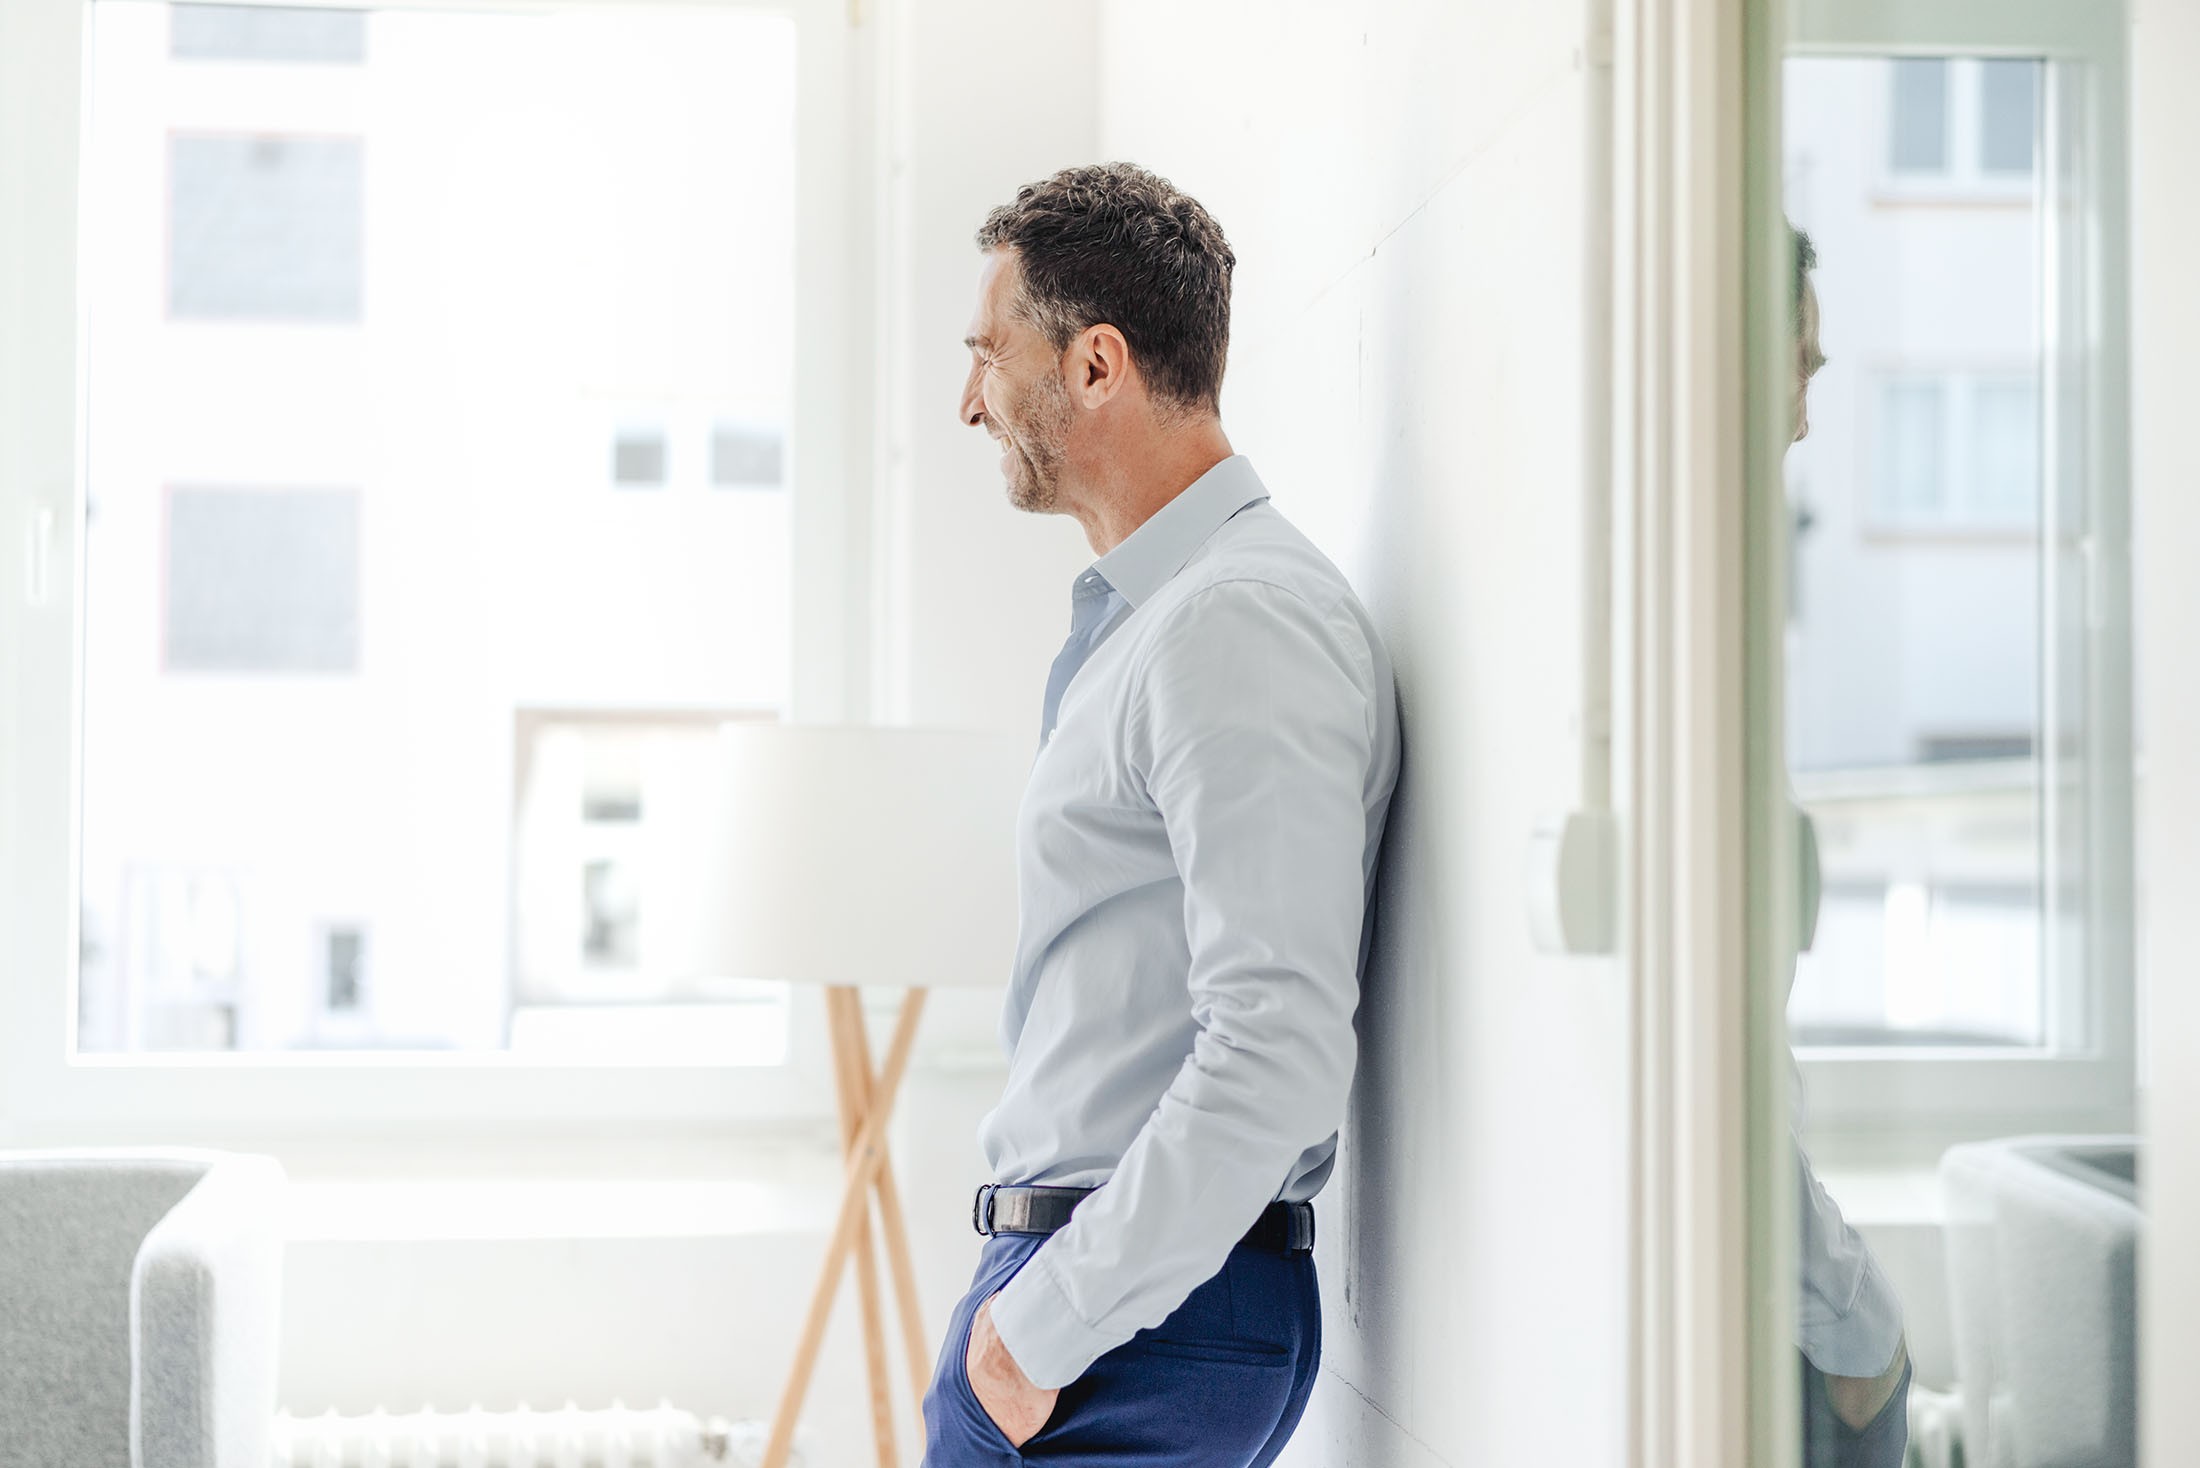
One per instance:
(973,403)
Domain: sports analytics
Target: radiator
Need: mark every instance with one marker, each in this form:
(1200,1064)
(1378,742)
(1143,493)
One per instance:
(618,1436)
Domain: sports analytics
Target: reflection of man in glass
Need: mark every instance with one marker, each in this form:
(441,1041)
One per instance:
(1856,1365)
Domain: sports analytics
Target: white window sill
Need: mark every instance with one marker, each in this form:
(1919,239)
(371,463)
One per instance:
(1886,1197)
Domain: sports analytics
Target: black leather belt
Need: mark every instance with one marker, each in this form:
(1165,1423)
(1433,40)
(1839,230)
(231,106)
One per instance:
(1283,1228)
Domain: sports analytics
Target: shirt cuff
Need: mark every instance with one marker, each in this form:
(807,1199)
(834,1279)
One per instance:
(1036,1322)
(1861,1340)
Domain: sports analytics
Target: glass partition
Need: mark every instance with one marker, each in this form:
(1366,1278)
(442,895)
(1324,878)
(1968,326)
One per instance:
(1943,557)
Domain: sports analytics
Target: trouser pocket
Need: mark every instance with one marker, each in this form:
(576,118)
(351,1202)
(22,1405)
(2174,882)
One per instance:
(958,1433)
(1219,1384)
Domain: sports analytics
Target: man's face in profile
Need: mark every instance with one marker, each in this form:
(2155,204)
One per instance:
(1808,359)
(1015,390)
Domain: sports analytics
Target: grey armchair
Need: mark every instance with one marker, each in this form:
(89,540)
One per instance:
(139,1294)
(2043,1242)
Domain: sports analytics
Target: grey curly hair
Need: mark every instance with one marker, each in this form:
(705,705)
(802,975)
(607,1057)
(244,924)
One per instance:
(1113,243)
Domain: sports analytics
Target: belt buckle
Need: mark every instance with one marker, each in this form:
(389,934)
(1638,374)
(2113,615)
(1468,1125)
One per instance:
(981,1209)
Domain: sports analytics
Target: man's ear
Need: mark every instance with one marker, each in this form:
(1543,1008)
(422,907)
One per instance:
(1100,365)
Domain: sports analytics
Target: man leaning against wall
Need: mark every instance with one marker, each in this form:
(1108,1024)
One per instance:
(1217,747)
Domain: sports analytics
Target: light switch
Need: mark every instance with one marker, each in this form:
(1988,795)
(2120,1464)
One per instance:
(1573,882)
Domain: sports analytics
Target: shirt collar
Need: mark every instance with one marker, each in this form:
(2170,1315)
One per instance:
(1158,549)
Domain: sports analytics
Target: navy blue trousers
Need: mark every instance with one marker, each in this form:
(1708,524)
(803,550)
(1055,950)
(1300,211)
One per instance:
(1220,1384)
(1828,1442)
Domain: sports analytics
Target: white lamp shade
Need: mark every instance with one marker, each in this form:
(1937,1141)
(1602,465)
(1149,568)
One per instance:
(855,855)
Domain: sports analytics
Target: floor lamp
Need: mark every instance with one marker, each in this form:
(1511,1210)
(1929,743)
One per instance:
(844,856)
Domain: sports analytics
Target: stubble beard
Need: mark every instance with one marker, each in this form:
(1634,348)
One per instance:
(1035,436)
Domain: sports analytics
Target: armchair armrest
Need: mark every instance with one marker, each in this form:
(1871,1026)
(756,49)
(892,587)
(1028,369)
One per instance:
(205,1297)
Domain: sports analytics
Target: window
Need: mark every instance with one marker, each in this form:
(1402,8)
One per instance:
(529,250)
(1912,460)
(266,33)
(743,456)
(300,759)
(1940,964)
(1954,726)
(604,888)
(689,448)
(2006,106)
(261,581)
(638,459)
(1916,651)
(344,970)
(1920,123)
(264,227)
(1957,451)
(2003,483)
(1960,122)
(175,963)
(609,932)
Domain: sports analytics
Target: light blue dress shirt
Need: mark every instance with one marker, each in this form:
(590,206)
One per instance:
(1848,1319)
(1196,853)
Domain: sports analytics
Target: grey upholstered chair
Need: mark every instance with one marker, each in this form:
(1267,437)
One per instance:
(139,1294)
(2042,1247)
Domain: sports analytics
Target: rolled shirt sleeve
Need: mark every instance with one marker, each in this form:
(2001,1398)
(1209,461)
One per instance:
(1848,1319)
(1251,729)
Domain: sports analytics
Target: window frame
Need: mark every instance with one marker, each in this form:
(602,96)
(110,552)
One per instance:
(1920,1098)
(45,1090)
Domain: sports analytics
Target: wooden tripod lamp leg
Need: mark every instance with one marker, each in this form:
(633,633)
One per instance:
(852,1075)
(866,1155)
(896,1236)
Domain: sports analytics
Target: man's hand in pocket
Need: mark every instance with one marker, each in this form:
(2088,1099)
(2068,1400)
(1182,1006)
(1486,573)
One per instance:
(1017,1408)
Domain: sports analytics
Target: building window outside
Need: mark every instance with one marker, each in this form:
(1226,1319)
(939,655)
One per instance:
(1958,451)
(1961,122)
(345,991)
(1919,129)
(638,459)
(539,261)
(264,227)
(745,456)
(605,888)
(690,448)
(2008,106)
(267,33)
(261,581)
(1913,451)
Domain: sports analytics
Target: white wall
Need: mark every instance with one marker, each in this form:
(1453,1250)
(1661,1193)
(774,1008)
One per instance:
(985,96)
(973,596)
(1404,187)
